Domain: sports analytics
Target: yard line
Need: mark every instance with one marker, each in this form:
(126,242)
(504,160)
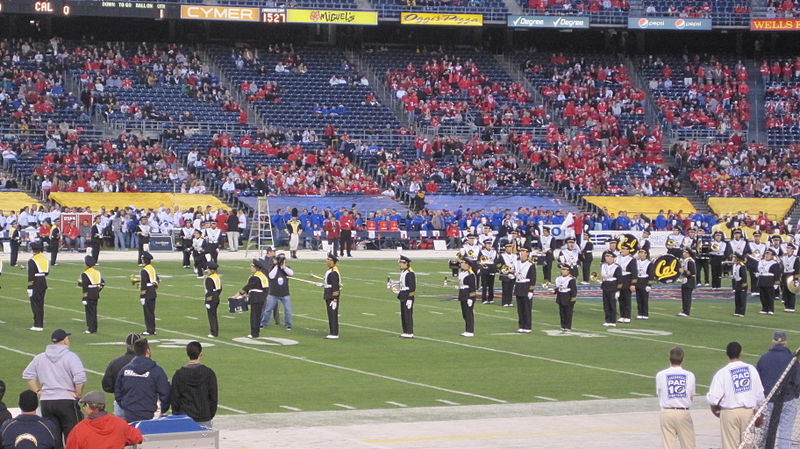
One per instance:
(641,394)
(594,396)
(2,322)
(445,401)
(732,323)
(77,319)
(345,406)
(368,314)
(228,317)
(436,313)
(293,357)
(545,398)
(396,403)
(231,409)
(34,355)
(191,317)
(294,409)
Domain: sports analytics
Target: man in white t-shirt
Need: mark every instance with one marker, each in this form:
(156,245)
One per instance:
(675,388)
(735,393)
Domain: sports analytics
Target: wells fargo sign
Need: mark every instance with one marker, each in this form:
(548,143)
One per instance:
(226,13)
(428,18)
(775,24)
(340,17)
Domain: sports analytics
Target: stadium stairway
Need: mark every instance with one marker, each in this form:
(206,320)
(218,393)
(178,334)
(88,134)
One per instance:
(513,69)
(757,127)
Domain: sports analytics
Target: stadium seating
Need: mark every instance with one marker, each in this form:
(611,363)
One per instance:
(599,12)
(725,12)
(491,9)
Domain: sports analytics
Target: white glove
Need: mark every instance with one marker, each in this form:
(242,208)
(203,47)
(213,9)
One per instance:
(141,300)
(647,289)
(318,284)
(409,303)
(208,306)
(85,303)
(30,292)
(469,303)
(616,295)
(530,295)
(334,304)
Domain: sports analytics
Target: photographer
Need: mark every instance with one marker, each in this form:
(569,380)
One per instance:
(279,291)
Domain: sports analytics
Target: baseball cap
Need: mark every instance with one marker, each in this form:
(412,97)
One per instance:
(59,335)
(779,337)
(132,338)
(93,397)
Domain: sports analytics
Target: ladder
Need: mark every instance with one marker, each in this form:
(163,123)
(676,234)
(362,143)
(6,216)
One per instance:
(260,228)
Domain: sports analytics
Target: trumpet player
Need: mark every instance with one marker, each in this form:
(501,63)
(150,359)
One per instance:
(720,250)
(506,263)
(524,285)
(467,293)
(91,283)
(570,256)
(675,242)
(408,288)
(488,261)
(791,268)
(768,277)
(755,250)
(688,271)
(644,281)
(611,278)
(586,246)
(148,284)
(566,292)
(628,266)
(739,285)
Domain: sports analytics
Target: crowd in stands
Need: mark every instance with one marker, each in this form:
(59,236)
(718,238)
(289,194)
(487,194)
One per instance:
(782,9)
(782,91)
(564,7)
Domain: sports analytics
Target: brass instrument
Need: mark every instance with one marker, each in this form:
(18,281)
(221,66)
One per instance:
(715,246)
(507,271)
(484,261)
(135,279)
(793,284)
(394,286)
(546,284)
(594,277)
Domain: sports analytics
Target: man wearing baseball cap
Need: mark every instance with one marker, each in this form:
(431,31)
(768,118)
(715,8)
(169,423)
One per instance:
(783,405)
(116,365)
(100,430)
(58,376)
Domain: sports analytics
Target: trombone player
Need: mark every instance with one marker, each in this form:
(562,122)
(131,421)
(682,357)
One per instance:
(505,264)
(791,270)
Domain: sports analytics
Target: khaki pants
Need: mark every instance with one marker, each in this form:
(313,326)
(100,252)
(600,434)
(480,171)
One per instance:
(677,424)
(233,240)
(294,242)
(732,423)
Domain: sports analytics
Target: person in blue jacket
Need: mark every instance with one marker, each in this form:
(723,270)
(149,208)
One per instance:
(140,384)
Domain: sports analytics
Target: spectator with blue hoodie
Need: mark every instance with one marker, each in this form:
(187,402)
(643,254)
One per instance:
(141,384)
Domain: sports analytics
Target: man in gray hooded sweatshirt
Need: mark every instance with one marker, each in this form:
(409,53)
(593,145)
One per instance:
(57,376)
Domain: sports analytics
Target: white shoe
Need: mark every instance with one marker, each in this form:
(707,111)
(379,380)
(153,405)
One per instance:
(211,336)
(754,294)
(520,331)
(331,337)
(762,312)
(467,334)
(37,329)
(639,317)
(610,324)
(249,335)
(584,283)
(87,331)
(770,313)
(145,333)
(789,310)
(738,315)
(199,277)
(682,314)
(406,335)
(645,317)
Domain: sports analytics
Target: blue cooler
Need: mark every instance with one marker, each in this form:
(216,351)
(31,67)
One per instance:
(173,432)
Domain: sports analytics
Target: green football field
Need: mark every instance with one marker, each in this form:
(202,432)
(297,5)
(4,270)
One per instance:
(369,367)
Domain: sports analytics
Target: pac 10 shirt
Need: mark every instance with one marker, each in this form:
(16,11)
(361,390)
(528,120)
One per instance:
(675,387)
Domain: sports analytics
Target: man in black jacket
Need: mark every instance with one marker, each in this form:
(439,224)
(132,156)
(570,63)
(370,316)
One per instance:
(233,230)
(194,388)
(116,365)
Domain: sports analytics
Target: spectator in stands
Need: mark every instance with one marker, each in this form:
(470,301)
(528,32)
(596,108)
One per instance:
(99,429)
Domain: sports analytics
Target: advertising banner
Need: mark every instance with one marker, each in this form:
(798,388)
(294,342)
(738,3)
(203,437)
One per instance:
(775,24)
(428,18)
(547,22)
(224,13)
(339,17)
(668,23)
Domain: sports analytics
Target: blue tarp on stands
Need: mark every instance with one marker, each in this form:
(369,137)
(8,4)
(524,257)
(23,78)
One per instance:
(365,203)
(476,202)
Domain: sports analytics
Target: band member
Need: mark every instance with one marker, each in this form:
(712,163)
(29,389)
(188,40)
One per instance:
(15,242)
(738,244)
(644,242)
(776,245)
(675,243)
(627,263)
(54,239)
(143,231)
(212,235)
(570,256)
(467,294)
(719,251)
(547,246)
(643,282)
(147,292)
(688,273)
(487,235)
(755,250)
(506,264)
(199,253)
(739,284)
(96,238)
(611,278)
(488,263)
(331,295)
(702,248)
(470,250)
(186,237)
(213,286)
(613,247)
(256,291)
(768,277)
(294,228)
(531,239)
(524,285)
(791,267)
(566,292)
(269,263)
(408,288)
(38,269)
(587,257)
(91,282)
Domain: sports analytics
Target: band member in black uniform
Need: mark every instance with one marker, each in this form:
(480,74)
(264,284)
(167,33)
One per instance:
(467,295)
(16,241)
(548,244)
(186,236)
(719,251)
(38,269)
(644,242)
(755,251)
(570,255)
(702,248)
(488,263)
(92,283)
(776,245)
(613,247)
(611,283)
(524,285)
(408,288)
(566,292)
(212,235)
(143,232)
(628,265)
(54,241)
(768,277)
(213,287)
(739,284)
(791,267)
(675,243)
(643,283)
(470,249)
(587,257)
(688,271)
(199,253)
(96,238)
(331,294)
(256,291)
(505,265)
(148,292)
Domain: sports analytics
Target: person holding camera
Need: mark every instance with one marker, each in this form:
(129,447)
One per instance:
(279,291)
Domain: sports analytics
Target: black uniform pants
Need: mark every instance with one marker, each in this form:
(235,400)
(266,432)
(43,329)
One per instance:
(54,252)
(586,268)
(407,316)
(524,312)
(767,296)
(142,241)
(345,242)
(14,253)
(65,414)
(642,300)
(95,250)
(214,251)
(187,252)
(487,287)
(211,311)
(625,300)
(686,299)
(610,305)
(753,282)
(469,316)
(565,312)
(90,308)
(256,310)
(37,307)
(547,268)
(702,271)
(788,297)
(333,316)
(199,262)
(508,290)
(740,301)
(149,308)
(716,271)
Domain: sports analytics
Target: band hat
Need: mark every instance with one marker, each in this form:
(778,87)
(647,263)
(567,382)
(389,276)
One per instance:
(37,246)
(776,237)
(524,249)
(570,240)
(405,259)
(565,267)
(770,251)
(147,256)
(609,253)
(212,265)
(488,241)
(332,256)
(89,261)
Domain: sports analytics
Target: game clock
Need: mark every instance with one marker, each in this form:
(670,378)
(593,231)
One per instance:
(273,16)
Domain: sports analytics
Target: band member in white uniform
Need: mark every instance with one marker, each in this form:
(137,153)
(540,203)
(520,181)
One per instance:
(506,265)
(213,234)
(570,256)
(488,262)
(791,267)
(566,291)
(643,282)
(525,283)
(675,243)
(611,278)
(720,250)
(755,250)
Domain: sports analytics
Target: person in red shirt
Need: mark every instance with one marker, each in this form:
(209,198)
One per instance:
(99,430)
(333,231)
(348,225)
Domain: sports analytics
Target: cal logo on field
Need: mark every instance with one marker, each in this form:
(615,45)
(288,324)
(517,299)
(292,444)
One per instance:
(741,379)
(676,386)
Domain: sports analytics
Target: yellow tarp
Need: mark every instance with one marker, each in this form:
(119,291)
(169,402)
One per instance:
(139,200)
(15,201)
(775,208)
(648,205)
